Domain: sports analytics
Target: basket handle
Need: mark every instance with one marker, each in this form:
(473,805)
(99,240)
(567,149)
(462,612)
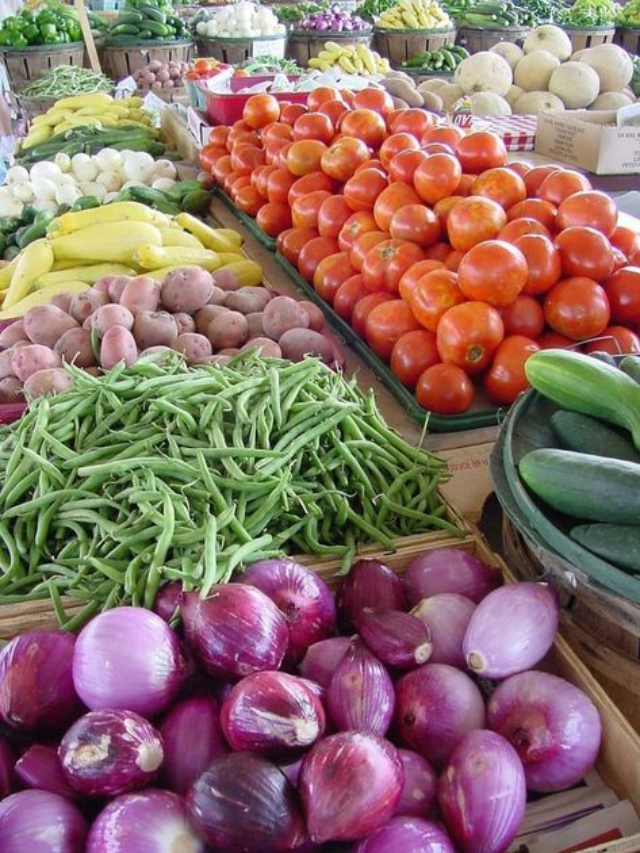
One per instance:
(87,36)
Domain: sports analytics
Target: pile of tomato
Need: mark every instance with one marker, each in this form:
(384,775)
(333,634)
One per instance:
(452,263)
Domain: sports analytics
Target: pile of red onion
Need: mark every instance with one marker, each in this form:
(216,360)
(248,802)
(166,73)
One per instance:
(256,728)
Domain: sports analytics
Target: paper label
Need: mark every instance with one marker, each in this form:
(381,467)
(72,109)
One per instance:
(126,88)
(198,127)
(272,47)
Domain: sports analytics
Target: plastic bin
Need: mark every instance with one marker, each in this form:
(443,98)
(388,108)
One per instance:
(227,108)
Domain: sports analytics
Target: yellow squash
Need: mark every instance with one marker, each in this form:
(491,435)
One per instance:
(89,274)
(121,212)
(249,273)
(42,297)
(33,261)
(176,237)
(152,257)
(115,243)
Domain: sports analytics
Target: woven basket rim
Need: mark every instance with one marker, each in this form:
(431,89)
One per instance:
(408,31)
(233,40)
(150,43)
(514,28)
(41,48)
(605,28)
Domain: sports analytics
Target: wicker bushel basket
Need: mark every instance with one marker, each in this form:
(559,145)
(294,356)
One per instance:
(589,36)
(477,39)
(630,39)
(303,45)
(398,46)
(31,63)
(121,62)
(233,51)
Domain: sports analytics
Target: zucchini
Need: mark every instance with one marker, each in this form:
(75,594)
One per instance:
(616,543)
(594,488)
(587,385)
(630,365)
(587,435)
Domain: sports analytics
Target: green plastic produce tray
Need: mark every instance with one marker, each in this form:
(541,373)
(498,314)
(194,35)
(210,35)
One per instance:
(437,423)
(248,221)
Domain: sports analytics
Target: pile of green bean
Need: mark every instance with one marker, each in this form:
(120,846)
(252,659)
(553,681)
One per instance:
(161,472)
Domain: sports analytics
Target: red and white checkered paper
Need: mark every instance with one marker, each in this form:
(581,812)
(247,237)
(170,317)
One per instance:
(517,132)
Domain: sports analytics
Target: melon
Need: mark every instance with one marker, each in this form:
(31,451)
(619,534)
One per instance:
(534,71)
(484,72)
(549,38)
(576,84)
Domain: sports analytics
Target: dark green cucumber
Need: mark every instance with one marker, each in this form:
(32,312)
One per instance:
(630,365)
(616,543)
(587,435)
(590,487)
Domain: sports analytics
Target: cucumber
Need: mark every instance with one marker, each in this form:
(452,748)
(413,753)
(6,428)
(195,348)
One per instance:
(124,30)
(594,488)
(160,30)
(630,365)
(130,17)
(587,435)
(153,14)
(616,543)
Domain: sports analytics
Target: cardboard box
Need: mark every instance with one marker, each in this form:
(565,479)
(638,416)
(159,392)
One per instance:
(470,484)
(590,141)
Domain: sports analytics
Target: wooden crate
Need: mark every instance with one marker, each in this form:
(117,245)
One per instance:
(121,62)
(586,37)
(31,63)
(399,46)
(630,39)
(477,39)
(304,45)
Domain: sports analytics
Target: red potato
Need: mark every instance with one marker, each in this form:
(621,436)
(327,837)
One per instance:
(62,301)
(44,324)
(194,346)
(6,363)
(140,294)
(31,359)
(296,343)
(248,300)
(154,328)
(11,334)
(228,352)
(11,390)
(94,371)
(51,380)
(187,290)
(84,304)
(225,279)
(74,347)
(115,285)
(316,317)
(265,347)
(185,322)
(117,344)
(112,315)
(254,323)
(228,330)
(205,315)
(282,314)
(218,296)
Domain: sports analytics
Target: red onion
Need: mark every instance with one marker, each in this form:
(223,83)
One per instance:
(511,630)
(368,584)
(407,835)
(272,713)
(168,601)
(397,638)
(40,768)
(292,771)
(129,658)
(553,726)
(107,753)
(304,599)
(350,784)
(360,696)
(435,706)
(322,658)
(191,738)
(41,822)
(146,822)
(6,768)
(243,804)
(449,570)
(419,789)
(236,631)
(36,687)
(447,616)
(482,793)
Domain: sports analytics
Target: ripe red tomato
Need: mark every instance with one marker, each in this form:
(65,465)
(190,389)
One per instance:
(502,185)
(366,125)
(248,200)
(341,160)
(535,208)
(585,252)
(334,110)
(305,210)
(356,224)
(493,272)
(218,136)
(362,190)
(577,307)
(616,340)
(535,177)
(413,275)
(313,252)
(466,182)
(362,245)
(307,184)
(519,167)
(453,261)
(412,354)
(437,148)
(416,223)
(330,273)
(552,340)
(591,208)
(437,177)
(260,178)
(372,164)
(332,216)
(374,99)
(544,263)
(394,144)
(433,295)
(274,218)
(317,97)
(364,307)
(279,182)
(523,317)
(559,185)
(414,121)
(519,227)
(385,264)
(305,156)
(481,150)
(448,134)
(261,110)
(444,206)
(390,200)
(403,166)
(626,240)
(209,155)
(291,242)
(348,295)
(386,324)
(278,130)
(506,378)
(473,220)
(623,293)
(292,112)
(445,389)
(469,334)
(222,169)
(438,252)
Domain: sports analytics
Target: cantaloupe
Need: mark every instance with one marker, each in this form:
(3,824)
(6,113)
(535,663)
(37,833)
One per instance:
(549,38)
(531,103)
(612,64)
(484,72)
(576,84)
(509,51)
(489,104)
(534,71)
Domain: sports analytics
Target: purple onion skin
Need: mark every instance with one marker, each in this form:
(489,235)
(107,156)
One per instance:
(447,616)
(369,584)
(29,820)
(107,753)
(168,601)
(192,738)
(511,630)
(150,821)
(244,804)
(407,835)
(482,793)
(36,686)
(420,782)
(236,631)
(553,726)
(6,768)
(273,714)
(398,639)
(303,598)
(129,658)
(322,658)
(40,768)
(436,705)
(361,696)
(449,570)
(350,784)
